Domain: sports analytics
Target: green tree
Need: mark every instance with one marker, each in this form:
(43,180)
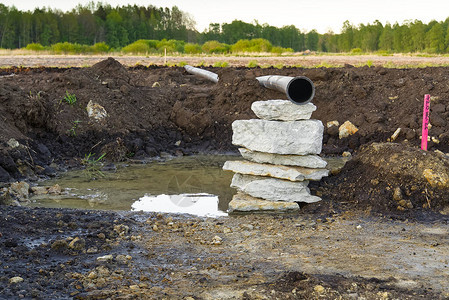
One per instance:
(435,38)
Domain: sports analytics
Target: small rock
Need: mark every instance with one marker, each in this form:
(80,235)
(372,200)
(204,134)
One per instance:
(347,129)
(332,123)
(346,154)
(217,240)
(59,244)
(96,111)
(105,258)
(436,179)
(20,189)
(397,194)
(92,250)
(122,259)
(227,230)
(92,275)
(16,279)
(13,143)
(77,244)
(39,190)
(319,289)
(247,226)
(156,84)
(121,229)
(102,271)
(55,190)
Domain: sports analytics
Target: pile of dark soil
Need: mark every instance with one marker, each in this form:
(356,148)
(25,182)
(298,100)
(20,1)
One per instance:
(389,178)
(156,110)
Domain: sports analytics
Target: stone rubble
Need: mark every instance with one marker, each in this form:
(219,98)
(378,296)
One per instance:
(280,152)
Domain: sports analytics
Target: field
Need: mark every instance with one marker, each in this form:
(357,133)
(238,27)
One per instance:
(23,58)
(380,232)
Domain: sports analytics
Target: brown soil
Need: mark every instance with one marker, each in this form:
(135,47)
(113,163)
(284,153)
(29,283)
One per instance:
(157,110)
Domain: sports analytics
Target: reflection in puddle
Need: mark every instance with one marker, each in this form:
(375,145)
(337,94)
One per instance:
(203,205)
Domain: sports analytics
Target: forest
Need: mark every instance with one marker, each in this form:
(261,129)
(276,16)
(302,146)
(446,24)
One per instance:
(99,27)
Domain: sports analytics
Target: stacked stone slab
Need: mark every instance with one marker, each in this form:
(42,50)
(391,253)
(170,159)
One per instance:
(280,152)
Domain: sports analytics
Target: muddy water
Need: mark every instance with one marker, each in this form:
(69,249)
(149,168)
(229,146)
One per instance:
(185,183)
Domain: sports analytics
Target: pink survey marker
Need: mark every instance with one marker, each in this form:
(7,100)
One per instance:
(425,122)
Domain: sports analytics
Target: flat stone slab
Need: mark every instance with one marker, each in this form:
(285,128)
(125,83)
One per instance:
(293,137)
(246,203)
(273,189)
(282,110)
(275,171)
(307,161)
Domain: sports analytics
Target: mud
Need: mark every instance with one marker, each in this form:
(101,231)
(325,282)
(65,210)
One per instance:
(365,239)
(89,255)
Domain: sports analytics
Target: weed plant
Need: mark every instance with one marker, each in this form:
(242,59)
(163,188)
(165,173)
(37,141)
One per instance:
(69,98)
(72,131)
(93,166)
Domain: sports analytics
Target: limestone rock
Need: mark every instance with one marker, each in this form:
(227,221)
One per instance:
(275,171)
(20,190)
(346,129)
(96,111)
(307,161)
(282,110)
(105,258)
(16,279)
(77,244)
(246,203)
(13,143)
(273,189)
(332,123)
(293,137)
(436,178)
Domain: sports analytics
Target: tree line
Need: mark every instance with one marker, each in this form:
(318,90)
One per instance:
(118,27)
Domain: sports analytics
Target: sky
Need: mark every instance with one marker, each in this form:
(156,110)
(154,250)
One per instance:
(321,15)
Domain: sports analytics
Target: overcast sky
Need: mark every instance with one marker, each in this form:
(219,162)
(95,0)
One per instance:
(322,15)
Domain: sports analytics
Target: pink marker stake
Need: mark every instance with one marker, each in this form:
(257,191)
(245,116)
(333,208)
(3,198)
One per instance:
(425,122)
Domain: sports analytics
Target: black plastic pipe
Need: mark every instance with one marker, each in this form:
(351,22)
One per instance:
(299,90)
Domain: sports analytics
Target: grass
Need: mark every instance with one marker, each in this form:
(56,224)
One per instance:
(69,98)
(93,165)
(253,64)
(72,131)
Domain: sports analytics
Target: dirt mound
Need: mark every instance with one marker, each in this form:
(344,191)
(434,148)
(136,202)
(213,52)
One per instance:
(392,178)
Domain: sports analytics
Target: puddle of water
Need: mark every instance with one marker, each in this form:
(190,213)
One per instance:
(192,184)
(184,185)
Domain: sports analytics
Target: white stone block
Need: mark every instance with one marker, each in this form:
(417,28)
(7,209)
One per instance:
(307,161)
(275,171)
(282,110)
(273,189)
(246,203)
(293,137)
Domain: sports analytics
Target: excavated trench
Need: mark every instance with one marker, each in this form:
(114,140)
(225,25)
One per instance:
(380,231)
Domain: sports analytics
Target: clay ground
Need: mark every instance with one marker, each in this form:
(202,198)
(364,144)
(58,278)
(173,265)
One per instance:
(360,241)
